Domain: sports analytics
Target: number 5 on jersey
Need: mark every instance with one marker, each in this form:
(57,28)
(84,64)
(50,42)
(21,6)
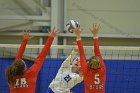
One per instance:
(96,79)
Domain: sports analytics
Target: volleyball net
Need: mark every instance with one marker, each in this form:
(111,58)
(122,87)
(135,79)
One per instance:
(122,63)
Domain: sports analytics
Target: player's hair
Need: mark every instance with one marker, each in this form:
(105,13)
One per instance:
(95,59)
(73,59)
(18,68)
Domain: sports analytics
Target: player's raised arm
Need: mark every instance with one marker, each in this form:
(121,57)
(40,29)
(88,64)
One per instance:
(84,65)
(70,58)
(18,67)
(42,56)
(95,29)
(26,37)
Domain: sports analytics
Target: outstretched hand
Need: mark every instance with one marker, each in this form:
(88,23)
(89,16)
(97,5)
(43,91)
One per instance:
(26,35)
(95,29)
(77,32)
(54,32)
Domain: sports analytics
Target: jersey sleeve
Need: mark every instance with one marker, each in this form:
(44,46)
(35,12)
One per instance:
(21,49)
(66,63)
(35,68)
(83,63)
(97,52)
(96,47)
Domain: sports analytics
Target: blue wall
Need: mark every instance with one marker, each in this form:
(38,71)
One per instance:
(123,76)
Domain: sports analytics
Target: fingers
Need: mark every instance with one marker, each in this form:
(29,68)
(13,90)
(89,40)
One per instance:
(26,31)
(77,29)
(26,34)
(95,26)
(53,32)
(57,31)
(49,32)
(99,27)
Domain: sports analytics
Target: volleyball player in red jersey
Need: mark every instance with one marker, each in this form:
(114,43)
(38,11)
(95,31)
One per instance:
(94,71)
(20,80)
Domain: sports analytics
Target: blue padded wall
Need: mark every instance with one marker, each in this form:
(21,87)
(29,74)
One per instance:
(123,76)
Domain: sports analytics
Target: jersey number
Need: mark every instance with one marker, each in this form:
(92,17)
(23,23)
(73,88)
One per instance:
(21,83)
(96,79)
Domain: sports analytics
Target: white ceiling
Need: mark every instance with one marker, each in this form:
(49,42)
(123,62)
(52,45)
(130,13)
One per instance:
(118,18)
(23,14)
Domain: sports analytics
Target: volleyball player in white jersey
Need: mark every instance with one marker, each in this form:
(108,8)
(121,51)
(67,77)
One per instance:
(68,75)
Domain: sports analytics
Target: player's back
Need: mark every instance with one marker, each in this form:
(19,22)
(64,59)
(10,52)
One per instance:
(94,81)
(24,84)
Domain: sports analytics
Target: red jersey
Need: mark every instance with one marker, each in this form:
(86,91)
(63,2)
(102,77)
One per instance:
(94,80)
(27,82)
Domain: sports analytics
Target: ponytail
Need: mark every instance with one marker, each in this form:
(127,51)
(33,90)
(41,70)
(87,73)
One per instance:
(10,74)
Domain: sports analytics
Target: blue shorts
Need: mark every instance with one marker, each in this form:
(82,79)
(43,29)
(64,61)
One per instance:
(49,90)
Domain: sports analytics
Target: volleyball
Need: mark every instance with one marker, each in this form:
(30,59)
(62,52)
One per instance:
(71,25)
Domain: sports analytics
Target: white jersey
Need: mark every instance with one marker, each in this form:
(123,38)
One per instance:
(65,79)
